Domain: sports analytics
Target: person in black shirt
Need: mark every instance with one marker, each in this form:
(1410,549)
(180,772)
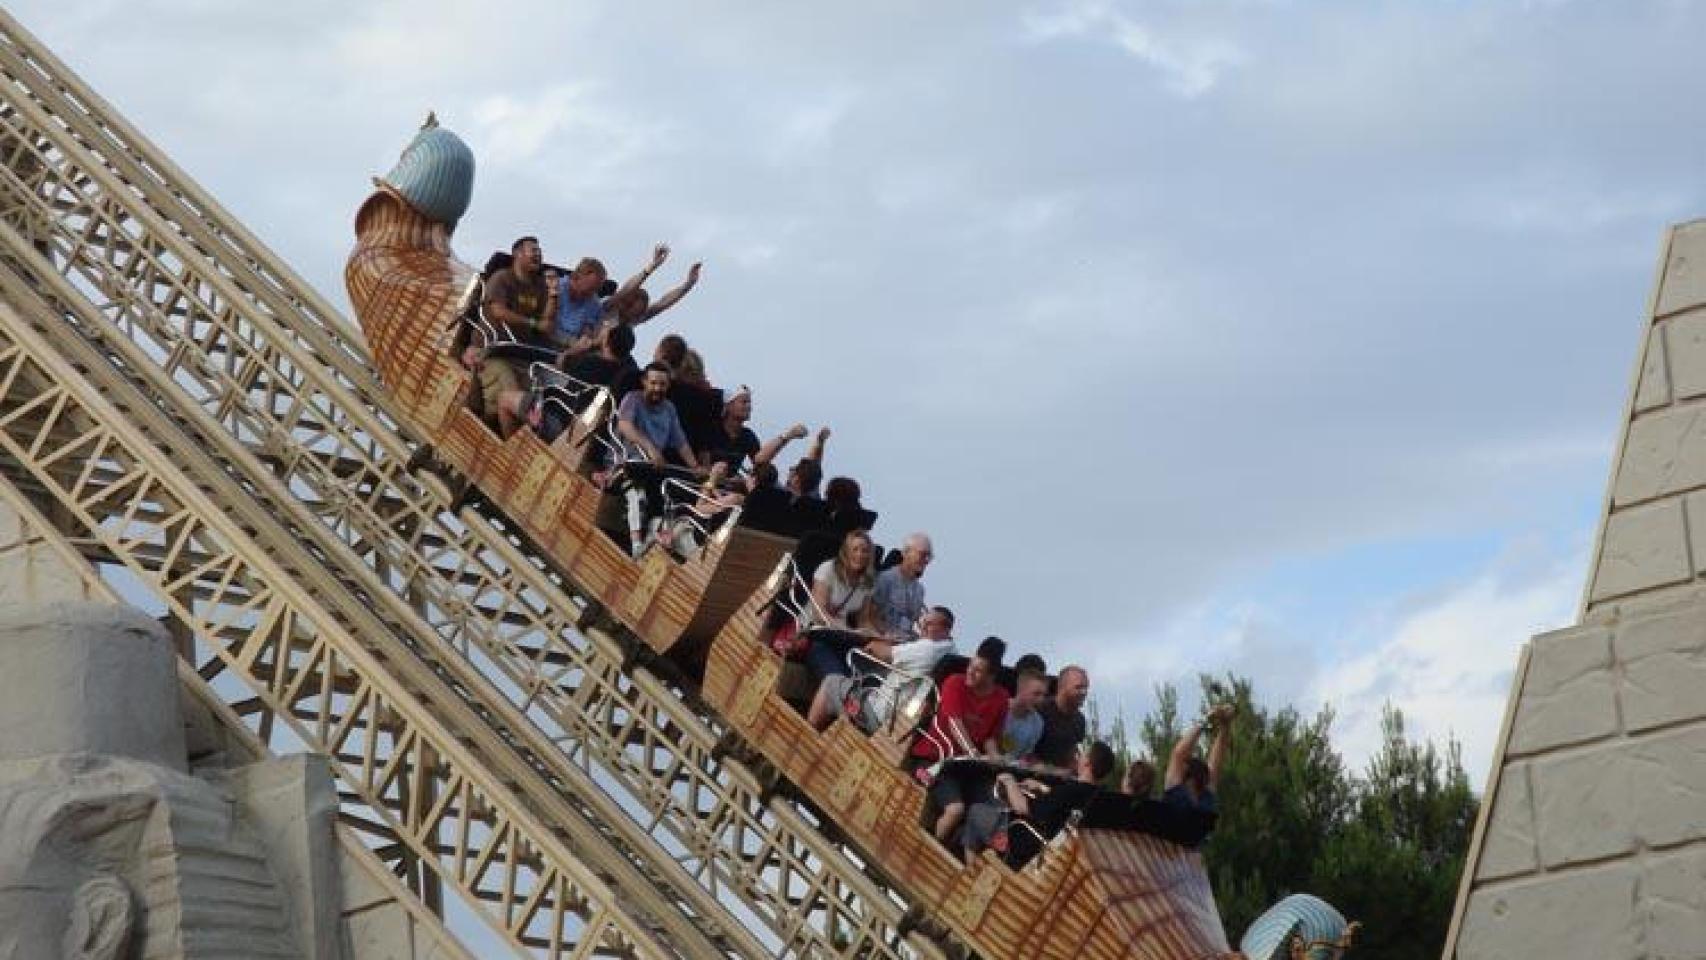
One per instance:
(1046,806)
(1191,783)
(734,442)
(612,366)
(1063,718)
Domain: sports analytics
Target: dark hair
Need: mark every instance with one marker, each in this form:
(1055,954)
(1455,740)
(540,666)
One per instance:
(842,493)
(991,650)
(634,301)
(1031,663)
(1139,779)
(1101,760)
(672,348)
(810,473)
(1196,772)
(515,247)
(946,614)
(764,475)
(620,339)
(662,368)
(1021,674)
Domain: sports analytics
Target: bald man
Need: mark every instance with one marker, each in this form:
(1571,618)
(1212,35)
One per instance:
(899,594)
(1063,719)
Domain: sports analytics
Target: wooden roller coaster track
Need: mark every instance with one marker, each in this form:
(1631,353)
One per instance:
(188,413)
(1106,894)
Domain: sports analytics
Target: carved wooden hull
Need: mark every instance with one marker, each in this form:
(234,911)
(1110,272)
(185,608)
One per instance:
(1104,895)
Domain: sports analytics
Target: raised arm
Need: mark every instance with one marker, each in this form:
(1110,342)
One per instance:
(1222,741)
(774,446)
(818,442)
(674,294)
(660,253)
(1182,752)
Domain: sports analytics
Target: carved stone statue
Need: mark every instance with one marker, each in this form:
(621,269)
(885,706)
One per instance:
(109,847)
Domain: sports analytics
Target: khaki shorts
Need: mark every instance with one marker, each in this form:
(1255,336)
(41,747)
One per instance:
(496,378)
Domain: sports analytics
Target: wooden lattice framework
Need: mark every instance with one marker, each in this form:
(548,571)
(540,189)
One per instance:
(164,300)
(238,743)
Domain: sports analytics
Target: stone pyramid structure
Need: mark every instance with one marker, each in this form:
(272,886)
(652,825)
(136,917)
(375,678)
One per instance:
(1592,842)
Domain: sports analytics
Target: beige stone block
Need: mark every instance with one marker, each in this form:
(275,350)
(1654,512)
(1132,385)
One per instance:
(292,806)
(1643,548)
(1665,453)
(1509,846)
(1569,695)
(1695,510)
(1664,666)
(1584,806)
(1684,281)
(11,526)
(1668,779)
(1673,906)
(88,678)
(1579,915)
(34,574)
(361,890)
(1653,389)
(1685,337)
(380,933)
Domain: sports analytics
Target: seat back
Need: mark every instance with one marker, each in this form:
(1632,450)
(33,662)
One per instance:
(701,413)
(768,510)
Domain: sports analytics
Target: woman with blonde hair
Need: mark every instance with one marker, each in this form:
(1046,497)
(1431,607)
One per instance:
(691,372)
(842,610)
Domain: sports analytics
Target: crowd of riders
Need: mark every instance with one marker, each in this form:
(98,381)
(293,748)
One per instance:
(1003,747)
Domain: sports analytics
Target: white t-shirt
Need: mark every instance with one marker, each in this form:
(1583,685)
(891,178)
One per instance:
(919,657)
(916,658)
(844,599)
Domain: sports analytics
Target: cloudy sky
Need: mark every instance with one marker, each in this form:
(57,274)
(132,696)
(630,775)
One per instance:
(1286,338)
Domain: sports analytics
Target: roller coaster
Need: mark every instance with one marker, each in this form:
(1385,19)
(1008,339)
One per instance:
(590,753)
(1111,889)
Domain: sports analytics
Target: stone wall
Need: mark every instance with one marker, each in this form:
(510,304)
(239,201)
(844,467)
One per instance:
(1593,844)
(1654,531)
(1596,841)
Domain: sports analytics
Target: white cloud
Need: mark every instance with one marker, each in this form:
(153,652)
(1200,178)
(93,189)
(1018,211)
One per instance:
(1189,66)
(809,126)
(566,136)
(1447,664)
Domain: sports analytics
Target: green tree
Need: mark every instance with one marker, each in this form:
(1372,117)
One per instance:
(1285,794)
(1396,863)
(1385,847)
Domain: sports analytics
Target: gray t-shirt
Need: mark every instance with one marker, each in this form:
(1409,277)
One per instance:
(900,602)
